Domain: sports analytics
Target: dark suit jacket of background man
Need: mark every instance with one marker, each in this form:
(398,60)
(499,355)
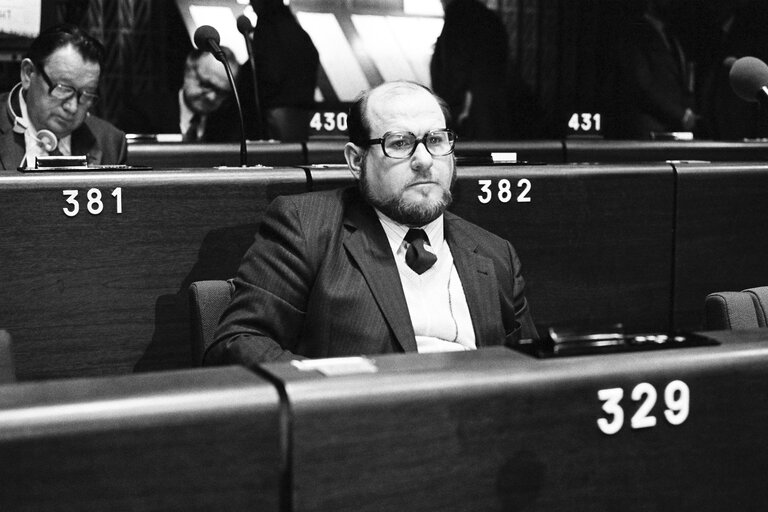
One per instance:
(471,55)
(162,114)
(101,142)
(653,86)
(322,272)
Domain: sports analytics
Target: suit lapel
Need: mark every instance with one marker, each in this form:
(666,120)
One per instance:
(478,279)
(12,153)
(367,243)
(12,147)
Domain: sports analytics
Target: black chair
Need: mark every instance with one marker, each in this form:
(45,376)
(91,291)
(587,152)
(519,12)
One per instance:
(747,309)
(207,300)
(7,368)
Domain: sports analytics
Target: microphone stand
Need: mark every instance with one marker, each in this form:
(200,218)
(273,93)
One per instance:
(243,150)
(207,38)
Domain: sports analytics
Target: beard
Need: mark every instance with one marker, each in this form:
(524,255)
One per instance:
(402,211)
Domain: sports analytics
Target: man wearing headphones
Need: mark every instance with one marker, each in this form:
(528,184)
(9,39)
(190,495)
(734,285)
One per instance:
(47,112)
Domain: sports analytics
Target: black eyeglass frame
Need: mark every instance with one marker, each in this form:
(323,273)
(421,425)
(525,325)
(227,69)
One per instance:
(89,97)
(452,138)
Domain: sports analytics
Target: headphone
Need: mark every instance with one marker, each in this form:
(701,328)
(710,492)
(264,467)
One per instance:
(46,138)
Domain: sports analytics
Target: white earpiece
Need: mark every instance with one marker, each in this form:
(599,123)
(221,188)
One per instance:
(46,138)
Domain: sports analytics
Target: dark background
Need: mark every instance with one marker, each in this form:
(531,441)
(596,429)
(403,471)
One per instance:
(562,52)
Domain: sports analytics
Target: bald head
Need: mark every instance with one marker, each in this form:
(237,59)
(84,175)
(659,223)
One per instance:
(378,101)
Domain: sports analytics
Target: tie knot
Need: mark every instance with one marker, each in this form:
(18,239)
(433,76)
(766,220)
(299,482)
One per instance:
(416,234)
(416,256)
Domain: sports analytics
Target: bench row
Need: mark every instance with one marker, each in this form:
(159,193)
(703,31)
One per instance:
(176,155)
(492,430)
(96,266)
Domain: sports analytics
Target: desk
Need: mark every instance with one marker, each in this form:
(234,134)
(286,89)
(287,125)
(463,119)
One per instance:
(596,150)
(205,439)
(175,155)
(542,151)
(331,151)
(102,293)
(495,430)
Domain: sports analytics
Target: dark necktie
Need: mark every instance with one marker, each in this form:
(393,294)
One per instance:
(191,134)
(416,256)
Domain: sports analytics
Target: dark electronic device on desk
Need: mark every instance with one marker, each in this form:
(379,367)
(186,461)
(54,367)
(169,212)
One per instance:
(74,163)
(562,341)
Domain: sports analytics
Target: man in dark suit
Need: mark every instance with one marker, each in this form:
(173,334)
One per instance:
(380,267)
(47,112)
(656,84)
(201,110)
(469,69)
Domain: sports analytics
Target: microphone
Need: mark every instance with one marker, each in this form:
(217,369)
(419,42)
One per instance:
(245,27)
(207,39)
(749,79)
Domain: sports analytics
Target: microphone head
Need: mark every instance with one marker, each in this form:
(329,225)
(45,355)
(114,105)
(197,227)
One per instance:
(244,25)
(203,35)
(748,76)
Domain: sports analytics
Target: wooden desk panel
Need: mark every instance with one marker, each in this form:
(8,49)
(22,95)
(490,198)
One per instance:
(160,155)
(204,439)
(721,245)
(595,241)
(106,293)
(495,431)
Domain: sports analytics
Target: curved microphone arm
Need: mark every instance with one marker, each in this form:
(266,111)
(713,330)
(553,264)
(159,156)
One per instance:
(243,148)
(207,38)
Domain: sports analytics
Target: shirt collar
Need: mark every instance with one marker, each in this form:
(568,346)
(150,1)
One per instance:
(396,232)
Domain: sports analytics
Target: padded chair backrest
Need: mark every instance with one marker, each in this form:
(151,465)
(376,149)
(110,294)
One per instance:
(207,301)
(7,368)
(747,309)
(759,297)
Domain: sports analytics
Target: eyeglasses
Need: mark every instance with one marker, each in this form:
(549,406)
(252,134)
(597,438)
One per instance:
(64,92)
(403,144)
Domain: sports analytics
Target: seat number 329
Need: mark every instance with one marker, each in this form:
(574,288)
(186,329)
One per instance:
(677,398)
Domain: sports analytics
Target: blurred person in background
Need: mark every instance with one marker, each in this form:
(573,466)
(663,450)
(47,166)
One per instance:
(469,70)
(201,110)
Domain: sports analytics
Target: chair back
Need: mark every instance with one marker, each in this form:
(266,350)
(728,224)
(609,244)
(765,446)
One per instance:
(7,368)
(207,300)
(747,309)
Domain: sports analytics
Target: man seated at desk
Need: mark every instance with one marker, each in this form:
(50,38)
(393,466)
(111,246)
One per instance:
(201,110)
(379,267)
(47,112)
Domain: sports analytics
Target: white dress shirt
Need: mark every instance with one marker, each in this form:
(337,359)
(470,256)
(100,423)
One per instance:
(436,300)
